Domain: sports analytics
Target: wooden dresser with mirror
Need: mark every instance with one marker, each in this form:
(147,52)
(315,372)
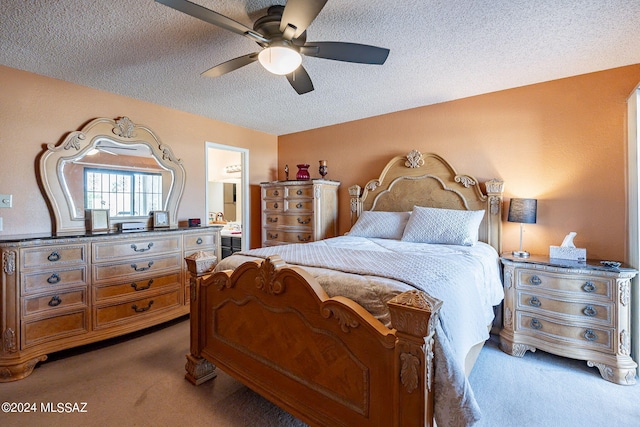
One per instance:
(73,286)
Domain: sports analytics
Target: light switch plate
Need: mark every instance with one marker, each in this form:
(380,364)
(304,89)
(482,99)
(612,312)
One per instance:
(6,200)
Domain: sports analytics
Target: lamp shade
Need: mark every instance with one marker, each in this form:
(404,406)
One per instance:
(523,211)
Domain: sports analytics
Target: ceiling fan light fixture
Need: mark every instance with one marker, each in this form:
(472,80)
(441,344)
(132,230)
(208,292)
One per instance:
(280,60)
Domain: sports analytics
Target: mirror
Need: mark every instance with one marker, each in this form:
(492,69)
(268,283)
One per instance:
(114,165)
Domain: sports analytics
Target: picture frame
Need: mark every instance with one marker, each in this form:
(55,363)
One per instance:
(96,219)
(160,219)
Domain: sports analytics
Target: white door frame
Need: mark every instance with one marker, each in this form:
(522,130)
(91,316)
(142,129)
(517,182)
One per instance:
(633,241)
(244,184)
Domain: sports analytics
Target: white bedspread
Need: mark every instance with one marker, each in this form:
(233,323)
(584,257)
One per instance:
(465,278)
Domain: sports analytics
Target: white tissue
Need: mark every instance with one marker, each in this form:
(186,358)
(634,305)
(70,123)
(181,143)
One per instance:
(568,240)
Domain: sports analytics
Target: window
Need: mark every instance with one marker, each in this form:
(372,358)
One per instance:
(124,193)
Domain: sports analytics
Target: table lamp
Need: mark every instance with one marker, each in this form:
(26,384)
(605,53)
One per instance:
(522,211)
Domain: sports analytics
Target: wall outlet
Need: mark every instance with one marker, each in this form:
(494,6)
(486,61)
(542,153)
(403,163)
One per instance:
(6,200)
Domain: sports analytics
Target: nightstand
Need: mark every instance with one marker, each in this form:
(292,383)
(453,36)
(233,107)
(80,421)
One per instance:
(572,309)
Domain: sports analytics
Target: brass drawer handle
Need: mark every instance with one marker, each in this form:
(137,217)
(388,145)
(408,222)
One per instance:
(590,311)
(135,267)
(55,301)
(299,205)
(535,324)
(589,287)
(275,205)
(141,309)
(272,236)
(199,241)
(53,279)
(54,256)
(272,220)
(276,193)
(304,221)
(534,302)
(299,192)
(135,248)
(303,239)
(535,280)
(589,335)
(134,285)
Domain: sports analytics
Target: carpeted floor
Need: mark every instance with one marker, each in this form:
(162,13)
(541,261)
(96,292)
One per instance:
(139,381)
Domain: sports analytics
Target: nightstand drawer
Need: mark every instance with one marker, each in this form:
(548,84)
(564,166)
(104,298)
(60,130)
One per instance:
(582,336)
(575,284)
(579,311)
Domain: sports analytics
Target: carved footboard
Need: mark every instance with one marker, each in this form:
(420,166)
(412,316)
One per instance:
(325,360)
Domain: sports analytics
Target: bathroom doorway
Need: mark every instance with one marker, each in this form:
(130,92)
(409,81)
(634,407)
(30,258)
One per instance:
(227,196)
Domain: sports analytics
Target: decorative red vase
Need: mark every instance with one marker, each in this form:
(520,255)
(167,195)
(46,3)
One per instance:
(303,172)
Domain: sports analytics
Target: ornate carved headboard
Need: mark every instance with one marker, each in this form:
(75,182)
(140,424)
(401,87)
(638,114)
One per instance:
(428,180)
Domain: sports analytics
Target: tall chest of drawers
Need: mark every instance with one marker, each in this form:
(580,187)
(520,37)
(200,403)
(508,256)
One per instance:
(576,310)
(61,292)
(299,211)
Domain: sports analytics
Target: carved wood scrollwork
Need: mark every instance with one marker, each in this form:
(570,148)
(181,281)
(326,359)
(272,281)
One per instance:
(625,292)
(266,278)
(9,262)
(409,371)
(344,318)
(124,128)
(465,180)
(74,141)
(414,159)
(9,341)
(625,343)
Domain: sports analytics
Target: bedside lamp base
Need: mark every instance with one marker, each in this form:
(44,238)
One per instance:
(521,254)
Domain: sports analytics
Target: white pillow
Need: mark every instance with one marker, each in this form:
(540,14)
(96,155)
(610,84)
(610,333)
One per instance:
(378,224)
(444,226)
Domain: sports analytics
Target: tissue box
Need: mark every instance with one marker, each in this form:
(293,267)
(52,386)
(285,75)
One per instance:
(575,254)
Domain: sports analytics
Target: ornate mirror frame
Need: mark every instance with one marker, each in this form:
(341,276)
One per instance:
(124,133)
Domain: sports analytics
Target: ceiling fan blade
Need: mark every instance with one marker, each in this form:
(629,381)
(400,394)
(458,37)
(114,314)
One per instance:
(230,65)
(348,52)
(300,81)
(298,15)
(212,17)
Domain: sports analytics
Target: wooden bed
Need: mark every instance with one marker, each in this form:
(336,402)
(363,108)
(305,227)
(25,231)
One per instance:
(327,360)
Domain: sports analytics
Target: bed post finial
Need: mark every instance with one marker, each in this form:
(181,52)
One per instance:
(495,190)
(355,192)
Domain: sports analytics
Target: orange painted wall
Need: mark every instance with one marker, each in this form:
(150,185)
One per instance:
(37,110)
(562,142)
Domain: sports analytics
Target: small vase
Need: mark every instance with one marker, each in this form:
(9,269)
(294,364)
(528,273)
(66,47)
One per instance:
(303,172)
(322,169)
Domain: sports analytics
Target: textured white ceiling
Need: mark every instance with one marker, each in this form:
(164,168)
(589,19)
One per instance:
(440,50)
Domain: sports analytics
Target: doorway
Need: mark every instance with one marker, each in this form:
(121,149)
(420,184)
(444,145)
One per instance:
(227,193)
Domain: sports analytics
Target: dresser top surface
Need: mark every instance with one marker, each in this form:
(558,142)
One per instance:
(590,264)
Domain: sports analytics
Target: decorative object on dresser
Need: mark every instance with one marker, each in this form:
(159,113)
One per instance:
(523,211)
(61,292)
(303,172)
(568,250)
(574,309)
(322,168)
(160,219)
(299,211)
(96,219)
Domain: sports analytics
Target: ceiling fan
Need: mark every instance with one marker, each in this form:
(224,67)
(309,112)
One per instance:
(283,38)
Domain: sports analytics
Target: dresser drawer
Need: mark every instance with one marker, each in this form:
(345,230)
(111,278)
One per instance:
(298,206)
(199,241)
(299,191)
(277,220)
(273,193)
(579,335)
(579,311)
(125,249)
(134,269)
(137,286)
(138,308)
(49,256)
(274,206)
(53,278)
(575,284)
(276,236)
(54,328)
(52,302)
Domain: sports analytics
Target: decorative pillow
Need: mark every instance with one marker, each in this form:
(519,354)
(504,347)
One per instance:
(444,226)
(378,224)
